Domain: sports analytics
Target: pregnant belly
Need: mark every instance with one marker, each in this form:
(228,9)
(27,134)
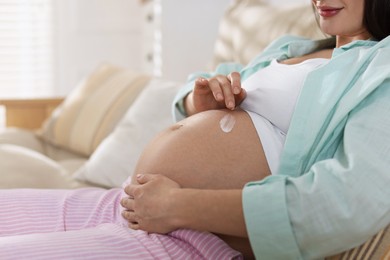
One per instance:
(217,149)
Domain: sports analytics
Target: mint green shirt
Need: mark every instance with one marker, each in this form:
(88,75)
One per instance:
(332,189)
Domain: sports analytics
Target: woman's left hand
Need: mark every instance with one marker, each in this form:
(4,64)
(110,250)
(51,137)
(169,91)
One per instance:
(150,205)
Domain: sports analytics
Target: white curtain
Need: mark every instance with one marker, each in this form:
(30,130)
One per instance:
(26,48)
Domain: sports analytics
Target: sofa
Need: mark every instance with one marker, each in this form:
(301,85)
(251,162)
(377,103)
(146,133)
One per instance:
(95,135)
(93,138)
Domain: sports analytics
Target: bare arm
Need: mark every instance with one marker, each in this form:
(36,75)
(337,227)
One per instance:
(160,205)
(224,211)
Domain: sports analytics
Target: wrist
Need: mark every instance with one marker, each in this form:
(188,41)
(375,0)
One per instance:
(217,211)
(189,104)
(180,217)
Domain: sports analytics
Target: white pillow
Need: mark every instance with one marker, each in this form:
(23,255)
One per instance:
(115,158)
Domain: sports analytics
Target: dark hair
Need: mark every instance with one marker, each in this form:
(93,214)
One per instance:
(377,18)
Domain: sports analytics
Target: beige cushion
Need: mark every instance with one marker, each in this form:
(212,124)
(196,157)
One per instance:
(21,137)
(114,160)
(93,109)
(28,139)
(24,168)
(248,26)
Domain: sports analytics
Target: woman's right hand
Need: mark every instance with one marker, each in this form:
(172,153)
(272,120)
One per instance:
(215,93)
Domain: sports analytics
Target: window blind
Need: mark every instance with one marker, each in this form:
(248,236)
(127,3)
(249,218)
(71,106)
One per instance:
(26,48)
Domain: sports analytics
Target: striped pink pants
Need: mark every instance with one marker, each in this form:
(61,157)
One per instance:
(87,224)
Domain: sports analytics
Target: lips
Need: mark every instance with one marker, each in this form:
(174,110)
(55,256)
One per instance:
(326,11)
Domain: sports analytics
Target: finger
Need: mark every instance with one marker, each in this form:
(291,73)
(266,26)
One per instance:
(130,216)
(134,226)
(235,82)
(202,82)
(227,92)
(201,85)
(127,203)
(133,190)
(144,178)
(240,97)
(216,89)
(127,189)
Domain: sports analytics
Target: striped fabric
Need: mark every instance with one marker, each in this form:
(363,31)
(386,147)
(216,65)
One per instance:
(91,111)
(386,254)
(86,224)
(378,247)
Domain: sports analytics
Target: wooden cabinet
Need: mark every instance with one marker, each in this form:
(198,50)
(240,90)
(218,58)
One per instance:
(28,113)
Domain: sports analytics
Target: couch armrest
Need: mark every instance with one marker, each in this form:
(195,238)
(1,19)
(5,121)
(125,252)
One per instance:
(28,113)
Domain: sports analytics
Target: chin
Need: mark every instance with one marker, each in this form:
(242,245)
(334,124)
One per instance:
(329,30)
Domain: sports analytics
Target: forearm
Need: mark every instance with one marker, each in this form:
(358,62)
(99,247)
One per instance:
(217,211)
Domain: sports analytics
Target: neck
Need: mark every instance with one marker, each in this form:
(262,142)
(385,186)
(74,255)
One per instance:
(343,40)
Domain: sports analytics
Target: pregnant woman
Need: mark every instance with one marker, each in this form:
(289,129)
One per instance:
(223,148)
(285,165)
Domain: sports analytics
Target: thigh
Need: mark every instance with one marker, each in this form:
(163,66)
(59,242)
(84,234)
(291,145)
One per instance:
(26,211)
(110,241)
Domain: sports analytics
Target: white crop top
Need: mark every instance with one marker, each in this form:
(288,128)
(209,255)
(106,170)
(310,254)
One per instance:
(273,91)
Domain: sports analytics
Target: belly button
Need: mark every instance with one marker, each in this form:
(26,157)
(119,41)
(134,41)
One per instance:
(176,127)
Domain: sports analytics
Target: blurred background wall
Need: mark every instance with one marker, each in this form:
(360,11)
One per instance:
(47,46)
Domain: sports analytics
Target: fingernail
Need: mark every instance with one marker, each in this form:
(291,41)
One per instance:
(231,105)
(139,176)
(237,91)
(219,96)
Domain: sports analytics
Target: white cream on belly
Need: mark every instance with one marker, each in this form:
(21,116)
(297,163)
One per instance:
(227,123)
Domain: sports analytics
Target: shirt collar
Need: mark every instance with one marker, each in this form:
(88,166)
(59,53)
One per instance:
(304,46)
(301,47)
(354,44)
